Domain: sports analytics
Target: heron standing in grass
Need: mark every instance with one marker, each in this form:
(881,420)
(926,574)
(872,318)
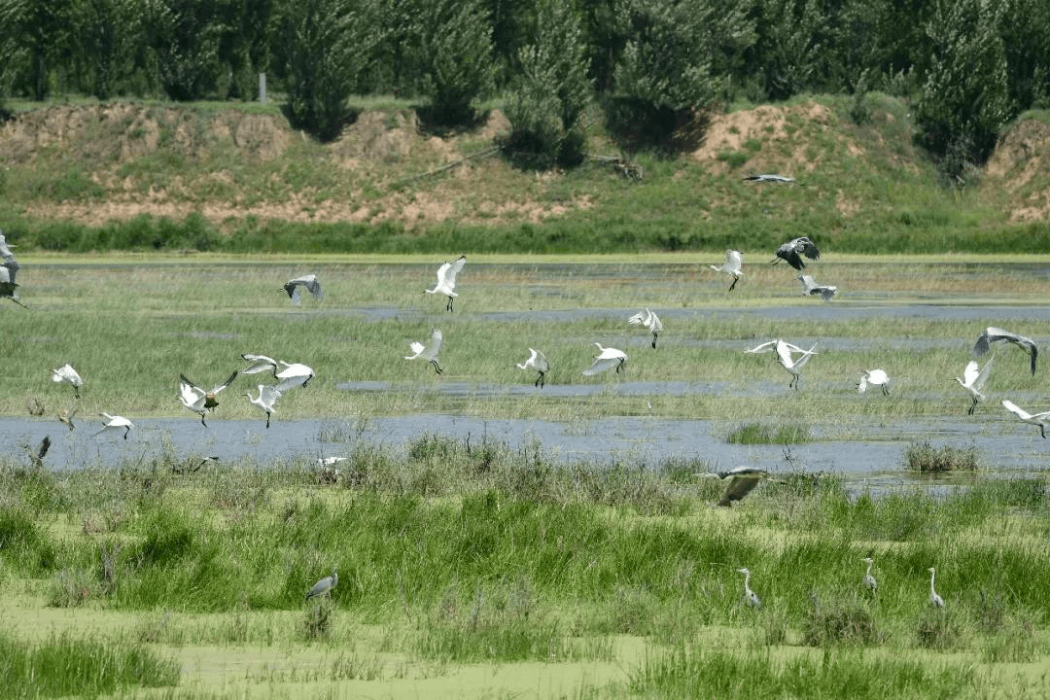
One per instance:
(607,358)
(992,335)
(973,381)
(875,377)
(870,583)
(66,373)
(935,600)
(312,284)
(794,250)
(8,270)
(732,266)
(446,280)
(648,319)
(428,352)
(751,599)
(537,361)
(324,586)
(1039,419)
(198,400)
(785,355)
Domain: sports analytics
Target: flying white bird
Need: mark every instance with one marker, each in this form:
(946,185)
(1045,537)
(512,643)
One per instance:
(732,266)
(310,282)
(769,177)
(290,374)
(875,377)
(537,361)
(992,334)
(115,423)
(973,381)
(750,597)
(198,400)
(428,352)
(446,280)
(8,269)
(793,250)
(810,287)
(268,396)
(1039,419)
(259,363)
(935,600)
(785,355)
(66,373)
(869,581)
(607,358)
(648,319)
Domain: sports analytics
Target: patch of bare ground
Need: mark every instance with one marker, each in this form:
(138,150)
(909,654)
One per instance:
(1019,167)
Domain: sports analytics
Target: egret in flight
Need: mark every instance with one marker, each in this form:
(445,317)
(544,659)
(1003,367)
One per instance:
(875,377)
(732,266)
(973,381)
(1039,419)
(114,424)
(810,287)
(992,335)
(751,599)
(869,581)
(785,355)
(648,319)
(607,358)
(310,282)
(66,373)
(290,374)
(324,586)
(428,352)
(446,280)
(794,250)
(537,361)
(268,396)
(198,400)
(8,269)
(935,600)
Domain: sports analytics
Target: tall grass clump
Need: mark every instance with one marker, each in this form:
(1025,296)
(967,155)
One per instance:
(760,434)
(840,623)
(926,459)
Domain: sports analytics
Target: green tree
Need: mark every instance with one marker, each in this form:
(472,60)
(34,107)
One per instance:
(109,37)
(788,51)
(244,47)
(37,33)
(185,34)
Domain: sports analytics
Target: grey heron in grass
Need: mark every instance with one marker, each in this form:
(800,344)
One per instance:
(769,177)
(537,361)
(446,280)
(742,481)
(267,397)
(606,359)
(732,266)
(810,287)
(794,250)
(870,584)
(66,373)
(428,352)
(198,400)
(115,424)
(324,586)
(785,355)
(935,600)
(1039,419)
(36,457)
(648,319)
(992,335)
(312,284)
(8,270)
(874,377)
(751,598)
(973,380)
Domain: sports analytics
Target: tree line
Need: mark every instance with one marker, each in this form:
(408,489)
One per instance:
(653,66)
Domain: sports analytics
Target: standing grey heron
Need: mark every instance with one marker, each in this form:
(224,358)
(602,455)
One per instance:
(198,400)
(648,319)
(8,269)
(973,381)
(1039,419)
(794,250)
(875,377)
(992,335)
(428,352)
(537,361)
(267,397)
(66,373)
(607,358)
(324,586)
(935,600)
(810,287)
(446,280)
(732,266)
(751,599)
(742,481)
(114,424)
(312,284)
(769,177)
(785,355)
(869,581)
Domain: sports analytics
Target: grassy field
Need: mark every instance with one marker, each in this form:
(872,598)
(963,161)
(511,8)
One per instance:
(470,570)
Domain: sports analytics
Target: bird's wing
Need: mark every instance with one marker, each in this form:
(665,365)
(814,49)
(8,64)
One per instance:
(601,364)
(739,487)
(540,362)
(734,261)
(764,347)
(443,272)
(654,322)
(983,376)
(743,470)
(225,384)
(807,247)
(45,445)
(787,252)
(259,363)
(453,269)
(189,390)
(293,292)
(970,373)
(434,346)
(638,319)
(417,348)
(784,351)
(269,394)
(1016,410)
(314,285)
(878,376)
(982,345)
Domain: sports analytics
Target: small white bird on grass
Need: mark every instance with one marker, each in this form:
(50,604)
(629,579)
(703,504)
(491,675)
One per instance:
(537,361)
(310,282)
(607,358)
(648,319)
(732,266)
(875,377)
(794,250)
(268,396)
(428,352)
(810,287)
(324,586)
(115,424)
(66,373)
(1039,419)
(973,381)
(751,598)
(935,600)
(198,400)
(785,355)
(992,335)
(446,280)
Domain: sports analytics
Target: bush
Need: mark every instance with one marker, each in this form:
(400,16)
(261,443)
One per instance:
(926,459)
(839,624)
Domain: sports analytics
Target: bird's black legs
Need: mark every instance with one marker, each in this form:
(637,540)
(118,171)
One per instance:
(972,406)
(654,341)
(1041,431)
(267,420)
(735,280)
(202,421)
(541,380)
(448,306)
(437,367)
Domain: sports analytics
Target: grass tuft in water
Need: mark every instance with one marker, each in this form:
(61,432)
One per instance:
(760,434)
(927,459)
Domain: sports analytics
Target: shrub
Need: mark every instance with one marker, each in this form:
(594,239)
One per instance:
(924,458)
(839,624)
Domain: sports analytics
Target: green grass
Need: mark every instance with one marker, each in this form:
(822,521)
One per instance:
(759,434)
(927,459)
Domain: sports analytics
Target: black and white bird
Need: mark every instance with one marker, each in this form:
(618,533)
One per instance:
(538,362)
(8,270)
(992,335)
(751,599)
(446,280)
(199,400)
(1039,419)
(769,177)
(810,287)
(793,251)
(742,481)
(648,319)
(606,359)
(732,266)
(973,380)
(66,373)
(324,586)
(267,397)
(115,424)
(428,352)
(310,282)
(786,356)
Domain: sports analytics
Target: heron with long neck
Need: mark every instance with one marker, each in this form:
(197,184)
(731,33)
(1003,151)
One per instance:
(751,599)
(935,600)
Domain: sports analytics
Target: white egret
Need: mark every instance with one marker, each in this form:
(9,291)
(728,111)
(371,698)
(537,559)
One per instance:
(198,400)
(428,352)
(973,381)
(875,377)
(8,270)
(935,600)
(751,599)
(648,319)
(793,250)
(66,373)
(742,481)
(786,357)
(1039,419)
(810,287)
(310,282)
(769,177)
(324,586)
(732,266)
(259,363)
(607,358)
(115,423)
(267,397)
(289,375)
(869,581)
(992,335)
(446,280)
(329,461)
(537,361)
